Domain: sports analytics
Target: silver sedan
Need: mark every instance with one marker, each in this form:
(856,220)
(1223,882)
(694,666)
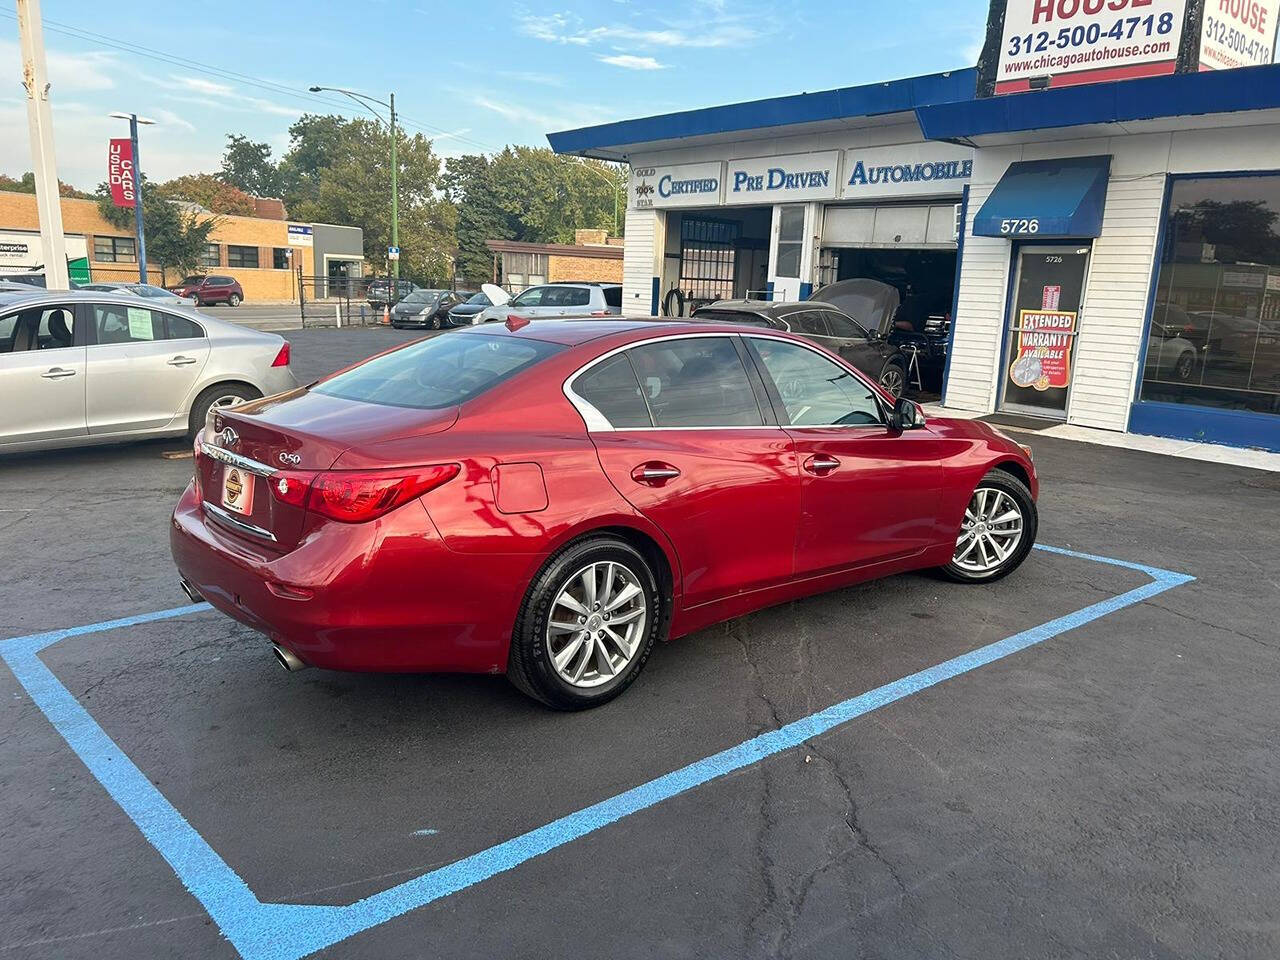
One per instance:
(84,367)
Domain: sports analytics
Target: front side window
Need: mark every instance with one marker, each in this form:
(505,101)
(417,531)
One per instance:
(114,250)
(437,373)
(242,256)
(815,391)
(115,323)
(1214,335)
(612,388)
(530,298)
(697,382)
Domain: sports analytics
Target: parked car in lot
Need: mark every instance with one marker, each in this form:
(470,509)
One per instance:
(867,349)
(465,313)
(381,293)
(145,290)
(205,291)
(562,495)
(85,367)
(426,308)
(557,301)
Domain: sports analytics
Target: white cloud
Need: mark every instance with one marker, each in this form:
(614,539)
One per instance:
(200,85)
(68,72)
(715,30)
(629,62)
(569,114)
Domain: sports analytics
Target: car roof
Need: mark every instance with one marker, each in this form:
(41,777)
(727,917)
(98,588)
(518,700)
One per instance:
(575,332)
(770,308)
(35,296)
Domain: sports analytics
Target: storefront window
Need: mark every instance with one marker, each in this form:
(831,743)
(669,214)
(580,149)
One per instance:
(790,241)
(1215,325)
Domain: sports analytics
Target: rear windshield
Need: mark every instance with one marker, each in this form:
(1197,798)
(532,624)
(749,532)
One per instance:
(441,372)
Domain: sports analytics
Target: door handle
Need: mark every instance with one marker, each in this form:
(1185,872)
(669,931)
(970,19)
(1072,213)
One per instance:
(57,373)
(181,361)
(654,474)
(821,466)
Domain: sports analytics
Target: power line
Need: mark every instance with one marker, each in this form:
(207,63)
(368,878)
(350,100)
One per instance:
(268,86)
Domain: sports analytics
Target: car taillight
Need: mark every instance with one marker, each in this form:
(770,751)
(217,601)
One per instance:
(291,487)
(351,496)
(195,459)
(282,358)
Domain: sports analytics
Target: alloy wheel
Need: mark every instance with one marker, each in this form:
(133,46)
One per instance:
(891,379)
(597,624)
(991,531)
(227,400)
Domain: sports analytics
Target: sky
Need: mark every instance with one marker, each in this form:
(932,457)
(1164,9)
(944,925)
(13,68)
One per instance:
(470,74)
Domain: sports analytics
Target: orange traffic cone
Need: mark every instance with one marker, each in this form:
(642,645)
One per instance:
(386,313)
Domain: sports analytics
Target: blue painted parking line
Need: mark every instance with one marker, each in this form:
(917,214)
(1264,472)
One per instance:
(272,931)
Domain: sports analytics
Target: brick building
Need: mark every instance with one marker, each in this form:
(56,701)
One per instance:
(593,257)
(262,253)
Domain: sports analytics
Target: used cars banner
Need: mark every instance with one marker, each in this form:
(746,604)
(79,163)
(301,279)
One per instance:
(1061,42)
(120,173)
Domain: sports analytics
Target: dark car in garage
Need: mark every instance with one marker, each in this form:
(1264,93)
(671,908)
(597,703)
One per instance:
(865,347)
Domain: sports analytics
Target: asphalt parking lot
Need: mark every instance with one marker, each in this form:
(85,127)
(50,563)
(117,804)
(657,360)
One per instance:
(1108,791)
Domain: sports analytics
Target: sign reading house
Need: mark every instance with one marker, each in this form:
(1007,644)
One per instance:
(795,178)
(909,170)
(679,185)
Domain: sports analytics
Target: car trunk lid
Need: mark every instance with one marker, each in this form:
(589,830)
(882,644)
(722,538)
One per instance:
(258,459)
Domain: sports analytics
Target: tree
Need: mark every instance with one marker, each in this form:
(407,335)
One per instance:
(175,239)
(528,194)
(27,184)
(1243,231)
(210,192)
(247,165)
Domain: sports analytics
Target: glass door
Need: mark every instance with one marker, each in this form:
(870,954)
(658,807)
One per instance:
(1043,323)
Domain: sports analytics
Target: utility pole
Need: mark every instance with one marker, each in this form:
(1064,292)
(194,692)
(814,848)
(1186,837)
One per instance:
(35,78)
(395,201)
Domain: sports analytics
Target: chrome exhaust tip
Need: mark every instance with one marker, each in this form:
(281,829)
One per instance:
(287,658)
(190,591)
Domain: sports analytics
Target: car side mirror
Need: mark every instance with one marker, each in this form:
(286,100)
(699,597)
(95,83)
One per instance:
(907,415)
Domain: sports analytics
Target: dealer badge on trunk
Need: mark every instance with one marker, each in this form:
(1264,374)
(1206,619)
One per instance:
(237,490)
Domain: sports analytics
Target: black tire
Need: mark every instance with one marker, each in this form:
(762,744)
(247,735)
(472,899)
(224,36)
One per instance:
(1185,367)
(200,407)
(195,302)
(233,300)
(1016,489)
(896,375)
(529,666)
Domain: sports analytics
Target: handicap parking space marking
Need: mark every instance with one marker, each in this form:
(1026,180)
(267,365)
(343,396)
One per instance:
(278,931)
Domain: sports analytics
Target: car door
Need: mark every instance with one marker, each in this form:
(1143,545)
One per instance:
(869,494)
(687,438)
(527,304)
(138,378)
(42,374)
(855,343)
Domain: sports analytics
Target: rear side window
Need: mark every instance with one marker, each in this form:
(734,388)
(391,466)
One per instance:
(698,382)
(842,326)
(611,387)
(809,324)
(613,297)
(566,297)
(180,328)
(437,373)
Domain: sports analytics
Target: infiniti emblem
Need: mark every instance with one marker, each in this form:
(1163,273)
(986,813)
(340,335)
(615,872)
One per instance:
(229,438)
(292,459)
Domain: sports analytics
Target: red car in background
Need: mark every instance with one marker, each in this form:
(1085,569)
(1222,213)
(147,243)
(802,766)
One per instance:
(211,289)
(549,499)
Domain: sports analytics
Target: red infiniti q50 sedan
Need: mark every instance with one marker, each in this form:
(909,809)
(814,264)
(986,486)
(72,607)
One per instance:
(549,499)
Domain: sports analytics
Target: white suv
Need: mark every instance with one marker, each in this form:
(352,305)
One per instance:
(558,300)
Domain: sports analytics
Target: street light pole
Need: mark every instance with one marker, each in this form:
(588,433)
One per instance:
(40,125)
(137,191)
(395,201)
(364,101)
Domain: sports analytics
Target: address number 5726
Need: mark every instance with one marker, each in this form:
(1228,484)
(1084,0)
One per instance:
(1016,226)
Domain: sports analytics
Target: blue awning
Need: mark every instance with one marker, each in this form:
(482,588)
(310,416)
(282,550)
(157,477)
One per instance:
(1047,198)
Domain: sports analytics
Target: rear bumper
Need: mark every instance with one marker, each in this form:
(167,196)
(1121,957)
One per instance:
(385,596)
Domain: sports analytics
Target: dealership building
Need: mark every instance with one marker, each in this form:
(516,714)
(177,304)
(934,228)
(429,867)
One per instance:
(1108,246)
